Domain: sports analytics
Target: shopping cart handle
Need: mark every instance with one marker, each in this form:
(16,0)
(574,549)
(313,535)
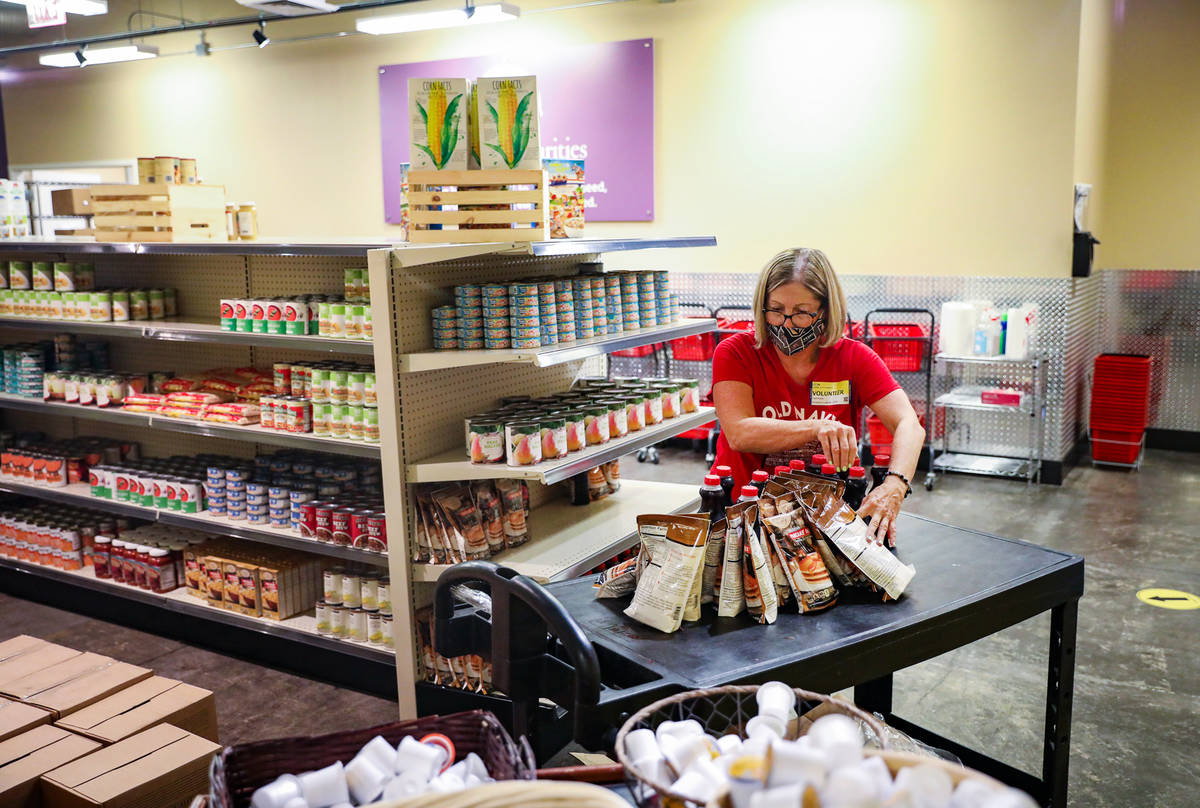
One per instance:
(523,612)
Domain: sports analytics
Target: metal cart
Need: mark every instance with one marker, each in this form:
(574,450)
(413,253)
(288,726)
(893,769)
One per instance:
(599,666)
(911,354)
(969,398)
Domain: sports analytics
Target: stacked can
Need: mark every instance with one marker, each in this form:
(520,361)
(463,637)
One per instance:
(585,310)
(215,490)
(630,307)
(445,329)
(524,315)
(564,306)
(24,370)
(647,300)
(662,296)
(599,304)
(496,333)
(674,310)
(468,300)
(547,302)
(613,304)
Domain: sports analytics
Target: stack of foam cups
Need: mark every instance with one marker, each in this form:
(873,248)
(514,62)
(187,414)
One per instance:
(445,328)
(495,316)
(469,301)
(613,304)
(629,301)
(599,305)
(547,304)
(647,300)
(524,318)
(564,304)
(585,311)
(662,297)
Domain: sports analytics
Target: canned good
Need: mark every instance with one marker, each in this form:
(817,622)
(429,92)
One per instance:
(337,420)
(295,317)
(158,306)
(337,320)
(318,380)
(485,440)
(338,616)
(101,307)
(356,625)
(340,535)
(353,415)
(356,384)
(370,425)
(370,391)
(618,426)
(283,378)
(339,386)
(274,316)
(324,319)
(324,625)
(299,381)
(596,425)
(191,496)
(321,419)
(523,443)
(299,415)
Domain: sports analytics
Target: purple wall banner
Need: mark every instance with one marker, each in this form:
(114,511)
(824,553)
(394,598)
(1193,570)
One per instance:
(597,105)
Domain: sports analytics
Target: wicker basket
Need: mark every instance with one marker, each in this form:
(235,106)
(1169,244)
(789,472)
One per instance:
(239,770)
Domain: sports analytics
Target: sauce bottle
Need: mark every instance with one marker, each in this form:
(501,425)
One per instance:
(828,471)
(712,497)
(856,487)
(726,475)
(880,469)
(748,494)
(815,463)
(781,469)
(759,479)
(796,465)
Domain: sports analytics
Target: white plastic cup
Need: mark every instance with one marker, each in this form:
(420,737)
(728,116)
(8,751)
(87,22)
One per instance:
(365,778)
(404,785)
(681,755)
(382,753)
(641,743)
(728,744)
(325,787)
(697,788)
(296,802)
(792,762)
(765,726)
(785,797)
(420,759)
(678,729)
(277,793)
(777,699)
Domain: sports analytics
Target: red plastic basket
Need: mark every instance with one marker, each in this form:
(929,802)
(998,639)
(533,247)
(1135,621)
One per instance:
(898,354)
(696,348)
(1116,446)
(639,351)
(880,435)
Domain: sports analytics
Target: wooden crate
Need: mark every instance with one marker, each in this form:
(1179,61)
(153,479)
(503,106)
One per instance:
(156,212)
(481,198)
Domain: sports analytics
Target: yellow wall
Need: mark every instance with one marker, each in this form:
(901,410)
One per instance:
(1091,106)
(902,136)
(1152,171)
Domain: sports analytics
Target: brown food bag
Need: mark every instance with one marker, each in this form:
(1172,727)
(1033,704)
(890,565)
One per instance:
(807,574)
(714,552)
(762,602)
(838,522)
(463,516)
(676,552)
(731,595)
(488,503)
(512,505)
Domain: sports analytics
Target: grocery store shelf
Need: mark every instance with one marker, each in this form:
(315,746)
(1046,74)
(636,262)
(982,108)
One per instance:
(986,464)
(181,331)
(451,466)
(556,354)
(568,540)
(79,495)
(83,245)
(301,628)
(979,360)
(250,433)
(970,398)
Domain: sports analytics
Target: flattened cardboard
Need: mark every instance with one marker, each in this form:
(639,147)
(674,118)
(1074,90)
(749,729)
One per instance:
(147,703)
(162,767)
(18,645)
(36,657)
(17,717)
(26,757)
(76,683)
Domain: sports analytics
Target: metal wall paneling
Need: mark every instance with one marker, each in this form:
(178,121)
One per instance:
(1085,338)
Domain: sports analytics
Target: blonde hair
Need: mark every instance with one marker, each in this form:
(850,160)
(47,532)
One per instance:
(811,268)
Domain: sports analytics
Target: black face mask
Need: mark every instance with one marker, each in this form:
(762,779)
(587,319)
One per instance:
(792,341)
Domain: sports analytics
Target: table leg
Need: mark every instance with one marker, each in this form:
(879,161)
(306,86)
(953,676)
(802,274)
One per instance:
(1060,686)
(875,696)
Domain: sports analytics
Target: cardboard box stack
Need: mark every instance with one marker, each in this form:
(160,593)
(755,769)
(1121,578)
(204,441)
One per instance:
(79,729)
(255,581)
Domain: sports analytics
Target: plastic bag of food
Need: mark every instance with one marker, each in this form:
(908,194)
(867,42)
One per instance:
(838,523)
(440,543)
(458,506)
(612,475)
(618,580)
(667,578)
(807,576)
(731,594)
(512,505)
(714,552)
(488,503)
(179,384)
(198,398)
(783,589)
(762,602)
(597,486)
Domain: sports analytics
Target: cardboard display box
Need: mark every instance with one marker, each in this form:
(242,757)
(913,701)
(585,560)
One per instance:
(26,757)
(71,202)
(16,717)
(150,702)
(22,656)
(74,683)
(162,767)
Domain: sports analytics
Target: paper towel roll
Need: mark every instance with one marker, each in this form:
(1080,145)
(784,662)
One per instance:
(958,328)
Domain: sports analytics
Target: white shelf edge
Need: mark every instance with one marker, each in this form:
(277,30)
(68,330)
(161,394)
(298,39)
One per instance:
(452,466)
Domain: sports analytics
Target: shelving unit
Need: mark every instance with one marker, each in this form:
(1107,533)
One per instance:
(1031,373)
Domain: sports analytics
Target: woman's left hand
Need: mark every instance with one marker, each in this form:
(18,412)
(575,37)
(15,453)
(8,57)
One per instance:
(883,506)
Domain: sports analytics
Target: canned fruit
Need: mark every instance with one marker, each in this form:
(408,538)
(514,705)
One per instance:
(485,441)
(523,443)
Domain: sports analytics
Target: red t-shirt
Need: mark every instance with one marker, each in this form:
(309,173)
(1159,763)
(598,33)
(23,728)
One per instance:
(848,376)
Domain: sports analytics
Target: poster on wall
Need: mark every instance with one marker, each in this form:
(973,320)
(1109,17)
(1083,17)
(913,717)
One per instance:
(597,105)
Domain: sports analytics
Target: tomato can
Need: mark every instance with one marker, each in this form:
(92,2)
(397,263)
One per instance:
(283,378)
(266,412)
(274,316)
(298,381)
(258,316)
(299,415)
(295,317)
(340,526)
(191,496)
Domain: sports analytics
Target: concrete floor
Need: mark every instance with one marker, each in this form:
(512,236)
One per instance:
(1137,682)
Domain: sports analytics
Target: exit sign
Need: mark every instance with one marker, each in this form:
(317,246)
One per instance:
(45,13)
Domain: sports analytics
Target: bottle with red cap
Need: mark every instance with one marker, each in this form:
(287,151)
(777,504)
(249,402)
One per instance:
(781,469)
(815,463)
(712,497)
(759,479)
(748,494)
(726,475)
(829,472)
(880,469)
(796,465)
(856,487)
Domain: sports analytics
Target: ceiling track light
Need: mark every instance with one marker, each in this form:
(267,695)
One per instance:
(202,47)
(79,57)
(470,14)
(84,56)
(260,35)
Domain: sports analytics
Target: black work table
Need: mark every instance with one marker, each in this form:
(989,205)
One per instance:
(968,585)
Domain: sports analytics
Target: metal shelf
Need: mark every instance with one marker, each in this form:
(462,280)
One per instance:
(79,495)
(301,628)
(180,331)
(1022,469)
(556,354)
(250,433)
(451,466)
(346,247)
(942,357)
(568,540)
(970,398)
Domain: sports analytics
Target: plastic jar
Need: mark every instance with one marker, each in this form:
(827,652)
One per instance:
(116,562)
(160,571)
(101,556)
(247,221)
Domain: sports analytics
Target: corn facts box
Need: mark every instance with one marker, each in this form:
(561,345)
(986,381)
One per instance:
(437,118)
(507,112)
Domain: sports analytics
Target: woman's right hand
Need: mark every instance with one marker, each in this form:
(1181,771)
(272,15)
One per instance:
(838,442)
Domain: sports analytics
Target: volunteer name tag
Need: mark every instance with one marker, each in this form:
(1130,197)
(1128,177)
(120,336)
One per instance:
(830,393)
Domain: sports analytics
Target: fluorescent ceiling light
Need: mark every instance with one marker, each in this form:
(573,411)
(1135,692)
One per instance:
(99,56)
(448,18)
(86,8)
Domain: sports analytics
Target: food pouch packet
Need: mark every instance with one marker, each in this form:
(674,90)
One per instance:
(762,602)
(807,576)
(618,580)
(512,506)
(667,576)
(435,527)
(731,595)
(841,526)
(783,589)
(488,503)
(597,485)
(460,511)
(714,552)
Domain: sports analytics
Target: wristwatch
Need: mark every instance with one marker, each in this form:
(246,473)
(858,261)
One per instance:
(903,479)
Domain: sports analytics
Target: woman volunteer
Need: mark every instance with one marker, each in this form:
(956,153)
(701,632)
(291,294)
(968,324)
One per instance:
(795,386)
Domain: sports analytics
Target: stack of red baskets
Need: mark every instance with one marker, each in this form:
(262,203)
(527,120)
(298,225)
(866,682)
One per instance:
(1120,407)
